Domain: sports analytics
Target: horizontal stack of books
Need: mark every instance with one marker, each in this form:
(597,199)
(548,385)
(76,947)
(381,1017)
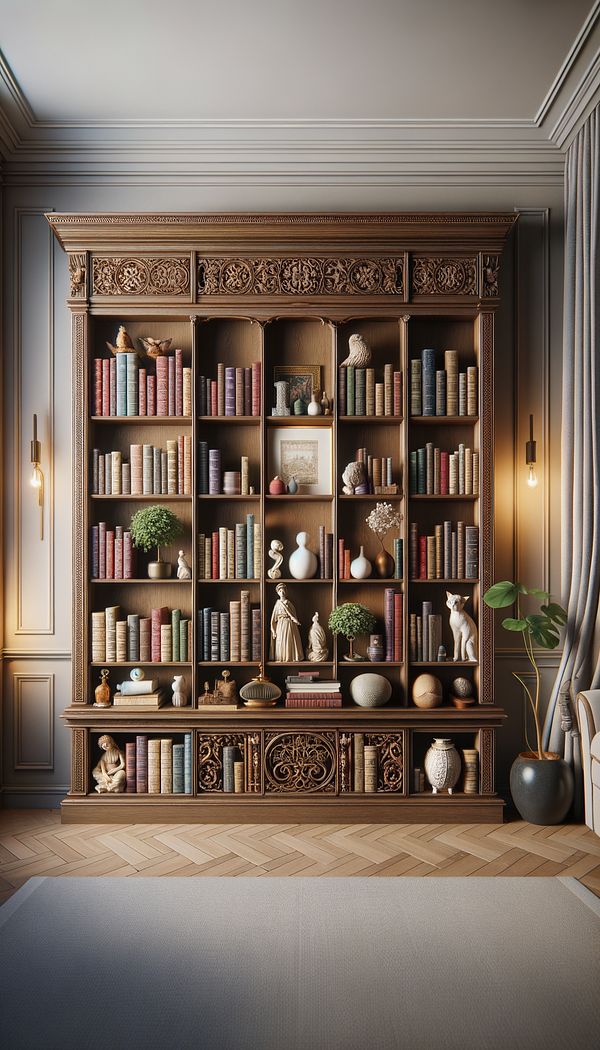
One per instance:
(163,637)
(122,388)
(442,392)
(235,391)
(213,481)
(450,554)
(140,696)
(113,554)
(150,471)
(425,636)
(436,473)
(231,554)
(156,766)
(360,394)
(393,608)
(380,474)
(307,689)
(230,637)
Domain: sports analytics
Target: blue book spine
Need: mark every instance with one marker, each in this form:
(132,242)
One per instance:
(428,374)
(178,767)
(250,545)
(203,468)
(398,558)
(132,384)
(187,764)
(241,550)
(122,384)
(421,471)
(202,396)
(215,648)
(412,472)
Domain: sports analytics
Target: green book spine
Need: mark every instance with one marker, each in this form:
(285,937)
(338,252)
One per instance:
(183,640)
(398,558)
(412,472)
(421,471)
(187,764)
(350,411)
(175,628)
(178,769)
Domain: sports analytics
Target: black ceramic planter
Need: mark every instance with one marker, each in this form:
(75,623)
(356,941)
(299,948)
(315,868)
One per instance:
(542,789)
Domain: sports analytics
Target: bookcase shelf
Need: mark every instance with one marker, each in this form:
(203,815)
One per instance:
(311,283)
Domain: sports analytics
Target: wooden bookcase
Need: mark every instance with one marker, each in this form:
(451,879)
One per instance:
(286,290)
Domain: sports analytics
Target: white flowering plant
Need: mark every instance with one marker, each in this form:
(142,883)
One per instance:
(382,519)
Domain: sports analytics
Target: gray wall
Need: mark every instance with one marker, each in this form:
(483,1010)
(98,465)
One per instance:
(36,377)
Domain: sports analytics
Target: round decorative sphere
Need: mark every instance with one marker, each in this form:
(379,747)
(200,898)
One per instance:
(427,691)
(137,674)
(461,687)
(370,690)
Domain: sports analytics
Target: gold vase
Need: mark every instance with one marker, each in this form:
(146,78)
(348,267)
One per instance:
(384,564)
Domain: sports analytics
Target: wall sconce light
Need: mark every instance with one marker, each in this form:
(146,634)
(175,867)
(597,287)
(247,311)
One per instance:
(530,456)
(37,476)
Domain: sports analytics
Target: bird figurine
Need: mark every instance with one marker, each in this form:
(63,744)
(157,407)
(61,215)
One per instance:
(360,355)
(155,347)
(183,569)
(124,343)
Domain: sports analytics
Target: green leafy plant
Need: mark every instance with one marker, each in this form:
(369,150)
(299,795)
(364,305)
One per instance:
(154,527)
(351,619)
(540,629)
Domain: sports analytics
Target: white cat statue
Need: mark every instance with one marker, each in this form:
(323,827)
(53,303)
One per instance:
(180,697)
(463,627)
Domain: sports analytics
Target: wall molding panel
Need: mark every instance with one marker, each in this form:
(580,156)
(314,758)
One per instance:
(33,722)
(33,392)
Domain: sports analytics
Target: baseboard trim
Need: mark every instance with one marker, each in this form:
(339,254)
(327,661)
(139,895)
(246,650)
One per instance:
(32,798)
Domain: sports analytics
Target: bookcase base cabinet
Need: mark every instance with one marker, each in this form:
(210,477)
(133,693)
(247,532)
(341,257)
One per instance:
(301,768)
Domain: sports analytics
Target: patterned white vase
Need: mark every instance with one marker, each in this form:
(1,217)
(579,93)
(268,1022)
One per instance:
(442,765)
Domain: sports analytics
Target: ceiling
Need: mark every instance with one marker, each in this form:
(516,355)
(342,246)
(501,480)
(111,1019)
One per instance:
(285,59)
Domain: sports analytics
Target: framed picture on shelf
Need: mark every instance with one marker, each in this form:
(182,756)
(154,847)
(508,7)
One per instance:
(305,454)
(304,380)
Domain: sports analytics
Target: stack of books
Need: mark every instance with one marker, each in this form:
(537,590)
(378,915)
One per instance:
(433,472)
(235,391)
(230,637)
(442,392)
(359,393)
(447,554)
(307,690)
(140,696)
(151,471)
(122,388)
(230,553)
(156,766)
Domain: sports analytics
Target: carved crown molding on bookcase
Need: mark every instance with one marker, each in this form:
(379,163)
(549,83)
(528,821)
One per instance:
(164,275)
(335,275)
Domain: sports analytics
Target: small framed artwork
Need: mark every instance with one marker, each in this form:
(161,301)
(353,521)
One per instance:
(304,380)
(303,453)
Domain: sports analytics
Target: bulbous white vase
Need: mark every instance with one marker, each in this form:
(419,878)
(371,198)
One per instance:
(360,567)
(442,765)
(303,563)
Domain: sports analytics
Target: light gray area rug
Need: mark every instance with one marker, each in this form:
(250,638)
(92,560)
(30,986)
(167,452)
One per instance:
(300,964)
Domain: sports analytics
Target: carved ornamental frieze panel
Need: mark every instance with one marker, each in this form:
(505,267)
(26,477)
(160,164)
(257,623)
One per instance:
(301,276)
(167,275)
(390,760)
(444,276)
(210,758)
(301,762)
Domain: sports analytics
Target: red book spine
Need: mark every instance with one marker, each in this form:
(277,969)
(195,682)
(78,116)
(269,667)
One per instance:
(110,554)
(180,463)
(97,386)
(444,461)
(297,694)
(388,614)
(105,387)
(346,565)
(127,556)
(113,386)
(248,392)
(256,384)
(214,401)
(398,611)
(142,391)
(145,639)
(118,552)
(102,550)
(130,767)
(162,386)
(159,616)
(141,764)
(215,555)
(179,382)
(397,393)
(422,557)
(150,395)
(314,702)
(171,385)
(341,559)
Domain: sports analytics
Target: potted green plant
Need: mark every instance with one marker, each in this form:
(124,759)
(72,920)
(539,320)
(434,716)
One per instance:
(154,527)
(351,619)
(541,783)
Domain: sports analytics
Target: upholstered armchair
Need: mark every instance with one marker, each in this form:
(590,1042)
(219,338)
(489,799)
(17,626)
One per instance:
(588,714)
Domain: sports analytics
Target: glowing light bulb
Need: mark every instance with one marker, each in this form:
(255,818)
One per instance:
(36,477)
(532,477)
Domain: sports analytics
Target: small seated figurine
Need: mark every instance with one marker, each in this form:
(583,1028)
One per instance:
(317,641)
(109,774)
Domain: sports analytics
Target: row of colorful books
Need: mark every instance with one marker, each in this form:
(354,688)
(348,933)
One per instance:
(425,635)
(442,391)
(379,472)
(235,392)
(447,554)
(213,481)
(307,689)
(113,553)
(163,637)
(345,558)
(231,554)
(436,473)
(158,765)
(122,388)
(150,471)
(232,635)
(360,394)
(393,620)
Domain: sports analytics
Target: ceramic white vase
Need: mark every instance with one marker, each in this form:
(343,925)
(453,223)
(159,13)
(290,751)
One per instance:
(314,408)
(361,567)
(442,765)
(303,563)
(282,398)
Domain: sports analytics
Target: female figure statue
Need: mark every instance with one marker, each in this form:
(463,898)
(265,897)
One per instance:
(109,774)
(317,641)
(285,636)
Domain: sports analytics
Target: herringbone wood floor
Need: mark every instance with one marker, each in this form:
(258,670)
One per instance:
(33,842)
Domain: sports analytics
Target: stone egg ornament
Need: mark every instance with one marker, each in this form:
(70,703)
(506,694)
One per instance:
(370,690)
(461,687)
(427,691)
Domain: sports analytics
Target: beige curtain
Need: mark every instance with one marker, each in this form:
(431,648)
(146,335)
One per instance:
(580,583)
